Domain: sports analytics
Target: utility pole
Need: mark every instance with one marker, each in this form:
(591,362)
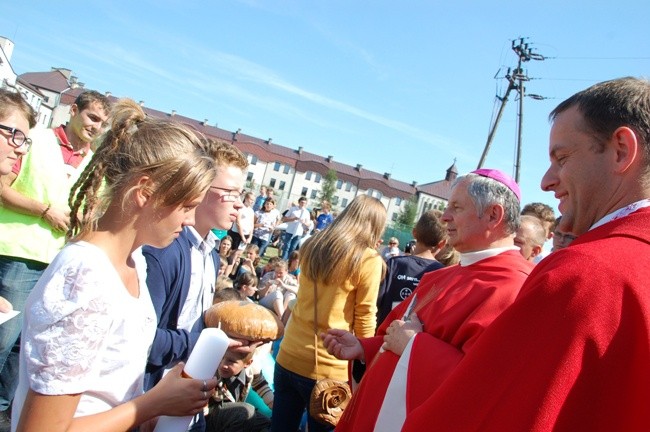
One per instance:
(516,79)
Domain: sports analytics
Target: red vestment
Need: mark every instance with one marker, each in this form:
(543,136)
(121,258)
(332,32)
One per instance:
(462,301)
(571,354)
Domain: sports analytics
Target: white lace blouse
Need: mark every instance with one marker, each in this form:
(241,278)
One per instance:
(84,333)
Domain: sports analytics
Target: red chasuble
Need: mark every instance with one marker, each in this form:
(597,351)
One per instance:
(571,354)
(455,305)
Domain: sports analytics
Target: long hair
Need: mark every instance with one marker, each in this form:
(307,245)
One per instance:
(168,153)
(334,254)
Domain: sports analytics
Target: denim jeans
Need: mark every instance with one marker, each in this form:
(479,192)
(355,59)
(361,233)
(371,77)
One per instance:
(291,398)
(17,279)
(290,243)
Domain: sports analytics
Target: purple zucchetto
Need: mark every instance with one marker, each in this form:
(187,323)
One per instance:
(502,178)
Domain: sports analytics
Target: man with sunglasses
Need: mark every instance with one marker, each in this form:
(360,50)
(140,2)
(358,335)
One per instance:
(181,277)
(34,214)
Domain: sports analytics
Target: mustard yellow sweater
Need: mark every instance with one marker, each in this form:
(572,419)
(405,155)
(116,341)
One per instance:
(351,306)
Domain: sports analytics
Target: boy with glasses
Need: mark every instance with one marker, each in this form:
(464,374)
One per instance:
(182,277)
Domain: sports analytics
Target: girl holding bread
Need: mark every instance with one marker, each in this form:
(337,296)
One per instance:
(89,322)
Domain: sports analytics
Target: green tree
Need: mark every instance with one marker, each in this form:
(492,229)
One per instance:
(251,185)
(406,216)
(329,187)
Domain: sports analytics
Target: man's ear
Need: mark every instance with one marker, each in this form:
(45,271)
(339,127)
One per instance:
(626,146)
(495,214)
(536,251)
(74,110)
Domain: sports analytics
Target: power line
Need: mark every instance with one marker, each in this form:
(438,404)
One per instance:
(599,58)
(516,78)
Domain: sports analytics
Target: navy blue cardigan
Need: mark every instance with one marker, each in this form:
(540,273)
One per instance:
(168,280)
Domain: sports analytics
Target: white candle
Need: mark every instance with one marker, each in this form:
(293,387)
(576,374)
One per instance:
(202,364)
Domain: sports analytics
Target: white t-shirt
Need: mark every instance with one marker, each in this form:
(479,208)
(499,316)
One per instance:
(246,220)
(84,333)
(296,227)
(269,219)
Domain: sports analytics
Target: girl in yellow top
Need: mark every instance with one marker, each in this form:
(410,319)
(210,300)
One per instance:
(347,271)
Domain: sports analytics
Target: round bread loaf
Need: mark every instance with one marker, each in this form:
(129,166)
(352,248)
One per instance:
(245,320)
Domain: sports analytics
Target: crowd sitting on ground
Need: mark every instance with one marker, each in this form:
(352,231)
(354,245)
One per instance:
(113,257)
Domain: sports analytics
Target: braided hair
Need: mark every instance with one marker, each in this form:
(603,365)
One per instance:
(169,154)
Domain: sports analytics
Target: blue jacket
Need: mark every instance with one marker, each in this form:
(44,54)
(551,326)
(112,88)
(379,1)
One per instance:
(168,280)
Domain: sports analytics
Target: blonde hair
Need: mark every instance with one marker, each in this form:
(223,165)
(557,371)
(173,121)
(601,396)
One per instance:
(334,254)
(222,283)
(168,153)
(225,154)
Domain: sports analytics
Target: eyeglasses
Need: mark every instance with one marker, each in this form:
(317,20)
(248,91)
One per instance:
(231,195)
(18,137)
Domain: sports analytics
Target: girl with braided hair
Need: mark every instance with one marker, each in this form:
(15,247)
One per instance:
(89,322)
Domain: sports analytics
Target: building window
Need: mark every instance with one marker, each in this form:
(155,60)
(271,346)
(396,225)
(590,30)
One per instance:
(394,217)
(314,194)
(335,200)
(344,202)
(374,193)
(249,176)
(308,175)
(304,191)
(276,167)
(339,184)
(398,201)
(282,185)
(348,187)
(287,168)
(252,159)
(318,177)
(272,182)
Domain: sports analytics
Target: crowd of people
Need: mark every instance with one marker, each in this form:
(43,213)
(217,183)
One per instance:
(496,316)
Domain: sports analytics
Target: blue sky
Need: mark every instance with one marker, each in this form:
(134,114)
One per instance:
(401,87)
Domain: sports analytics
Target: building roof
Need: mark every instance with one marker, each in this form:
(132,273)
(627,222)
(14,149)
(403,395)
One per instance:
(302,161)
(53,80)
(440,189)
(29,86)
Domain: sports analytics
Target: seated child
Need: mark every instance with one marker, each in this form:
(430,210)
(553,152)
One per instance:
(222,282)
(268,267)
(246,285)
(225,295)
(227,409)
(277,288)
(293,265)
(248,262)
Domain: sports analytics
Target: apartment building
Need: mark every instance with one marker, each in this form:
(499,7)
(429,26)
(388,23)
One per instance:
(291,172)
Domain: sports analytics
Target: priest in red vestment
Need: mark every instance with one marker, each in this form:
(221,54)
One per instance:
(573,352)
(426,336)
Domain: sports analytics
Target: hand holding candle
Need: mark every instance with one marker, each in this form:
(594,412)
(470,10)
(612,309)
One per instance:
(202,364)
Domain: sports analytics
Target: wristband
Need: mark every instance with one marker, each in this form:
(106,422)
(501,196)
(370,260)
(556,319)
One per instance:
(47,209)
